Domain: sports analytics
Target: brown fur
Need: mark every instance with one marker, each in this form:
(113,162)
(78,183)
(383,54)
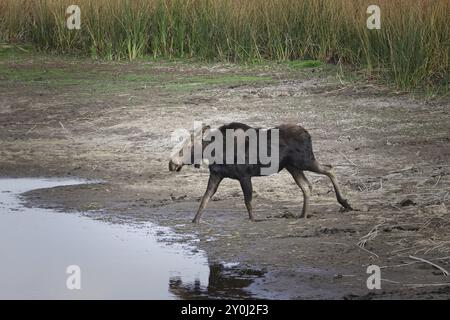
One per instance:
(295,155)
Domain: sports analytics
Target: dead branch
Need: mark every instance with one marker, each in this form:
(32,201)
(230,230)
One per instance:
(445,272)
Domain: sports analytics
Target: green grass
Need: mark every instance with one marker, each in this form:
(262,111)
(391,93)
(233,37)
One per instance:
(20,66)
(12,52)
(108,81)
(186,84)
(56,78)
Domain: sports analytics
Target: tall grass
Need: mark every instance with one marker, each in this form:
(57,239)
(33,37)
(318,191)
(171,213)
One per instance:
(411,49)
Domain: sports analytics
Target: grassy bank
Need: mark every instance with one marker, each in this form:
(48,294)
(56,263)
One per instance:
(411,49)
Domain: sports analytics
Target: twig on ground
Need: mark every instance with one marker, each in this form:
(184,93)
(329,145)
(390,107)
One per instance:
(368,251)
(370,236)
(439,179)
(401,170)
(338,243)
(420,285)
(445,272)
(406,249)
(31,129)
(346,158)
(442,243)
(391,281)
(410,263)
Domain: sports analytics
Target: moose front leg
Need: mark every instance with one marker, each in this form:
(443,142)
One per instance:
(213,184)
(246,185)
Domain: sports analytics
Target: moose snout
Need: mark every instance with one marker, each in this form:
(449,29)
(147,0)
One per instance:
(174,166)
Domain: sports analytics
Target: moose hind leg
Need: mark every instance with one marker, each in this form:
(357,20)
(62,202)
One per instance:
(246,185)
(328,171)
(213,184)
(306,179)
(303,183)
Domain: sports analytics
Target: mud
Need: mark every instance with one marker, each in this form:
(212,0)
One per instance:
(391,153)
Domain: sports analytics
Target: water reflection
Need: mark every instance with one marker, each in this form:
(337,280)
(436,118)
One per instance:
(224,283)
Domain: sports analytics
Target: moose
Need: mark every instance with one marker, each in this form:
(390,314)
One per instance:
(293,150)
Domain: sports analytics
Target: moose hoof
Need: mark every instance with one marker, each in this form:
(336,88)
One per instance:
(346,206)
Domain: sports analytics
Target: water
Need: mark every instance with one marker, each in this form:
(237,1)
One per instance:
(116,261)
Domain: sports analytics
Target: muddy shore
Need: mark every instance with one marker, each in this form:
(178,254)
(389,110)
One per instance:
(111,122)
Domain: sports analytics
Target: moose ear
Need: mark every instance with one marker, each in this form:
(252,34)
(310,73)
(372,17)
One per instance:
(204,128)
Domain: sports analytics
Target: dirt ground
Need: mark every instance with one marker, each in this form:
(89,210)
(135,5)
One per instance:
(111,122)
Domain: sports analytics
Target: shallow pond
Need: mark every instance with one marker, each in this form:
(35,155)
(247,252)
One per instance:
(115,261)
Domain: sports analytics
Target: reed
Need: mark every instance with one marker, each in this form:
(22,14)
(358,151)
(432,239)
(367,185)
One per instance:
(411,49)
